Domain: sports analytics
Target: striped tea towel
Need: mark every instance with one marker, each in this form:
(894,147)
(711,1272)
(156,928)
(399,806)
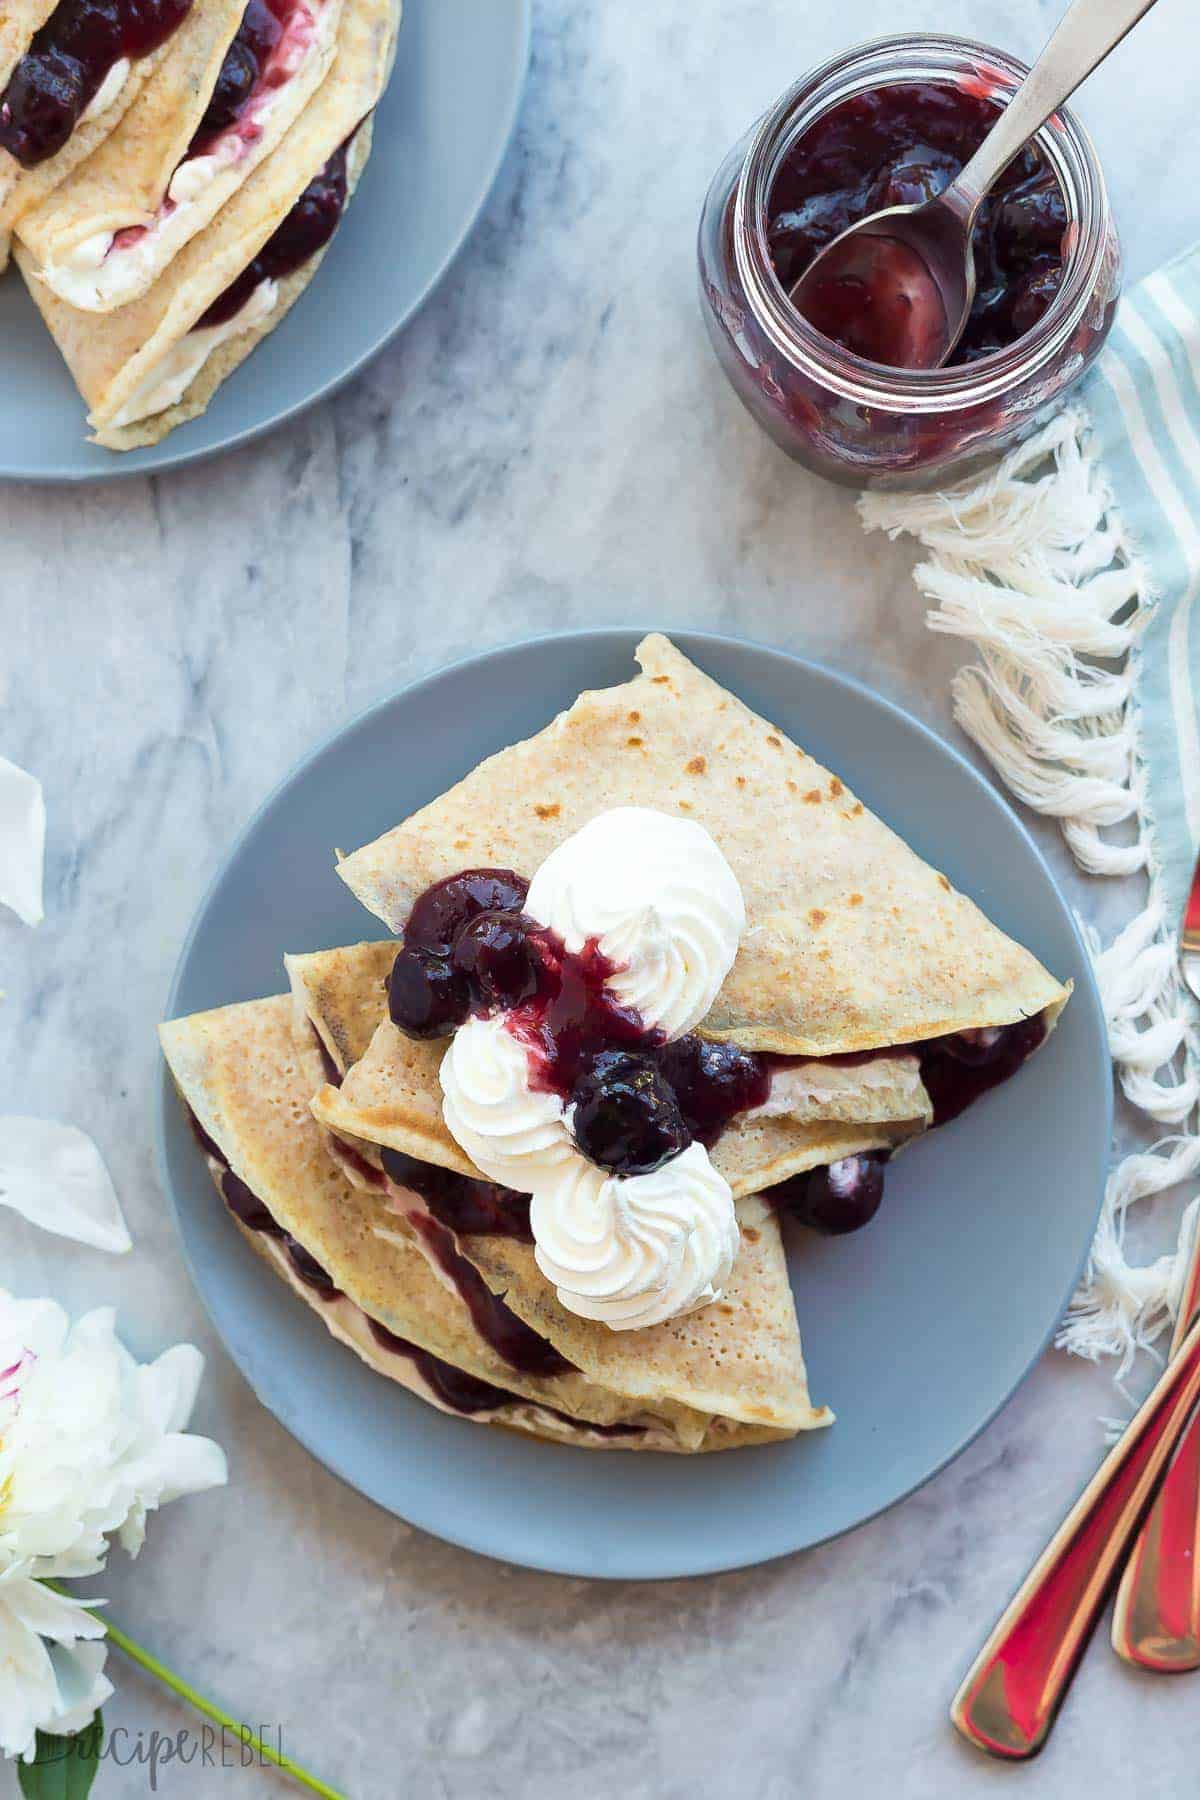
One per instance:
(1072,567)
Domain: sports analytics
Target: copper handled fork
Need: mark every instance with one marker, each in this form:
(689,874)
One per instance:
(1012,1694)
(1156,1621)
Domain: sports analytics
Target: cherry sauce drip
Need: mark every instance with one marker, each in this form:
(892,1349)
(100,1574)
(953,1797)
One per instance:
(307,228)
(66,65)
(464,1205)
(263,24)
(519,1346)
(467,1394)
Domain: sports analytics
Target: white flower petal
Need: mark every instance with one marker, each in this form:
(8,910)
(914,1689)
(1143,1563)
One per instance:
(54,1176)
(22,842)
(51,1664)
(90,1442)
(170,1385)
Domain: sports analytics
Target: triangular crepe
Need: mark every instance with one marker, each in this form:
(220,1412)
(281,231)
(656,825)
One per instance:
(125,184)
(23,189)
(853,942)
(390,1093)
(119,358)
(246,1076)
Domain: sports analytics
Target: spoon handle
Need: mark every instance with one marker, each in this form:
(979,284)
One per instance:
(1086,34)
(1156,1621)
(1009,1700)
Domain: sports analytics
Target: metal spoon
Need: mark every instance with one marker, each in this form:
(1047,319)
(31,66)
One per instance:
(910,268)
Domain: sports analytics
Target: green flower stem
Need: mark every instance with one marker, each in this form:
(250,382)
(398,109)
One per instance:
(210,1710)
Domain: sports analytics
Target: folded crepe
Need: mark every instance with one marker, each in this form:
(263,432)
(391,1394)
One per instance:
(19,19)
(388,1093)
(852,942)
(143,369)
(105,236)
(246,1076)
(22,189)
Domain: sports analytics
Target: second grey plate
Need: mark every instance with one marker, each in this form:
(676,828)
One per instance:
(441,132)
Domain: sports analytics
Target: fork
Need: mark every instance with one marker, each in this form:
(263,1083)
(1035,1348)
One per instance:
(1156,1621)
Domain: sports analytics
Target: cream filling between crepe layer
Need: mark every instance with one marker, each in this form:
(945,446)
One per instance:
(820,1090)
(109,91)
(166,382)
(106,268)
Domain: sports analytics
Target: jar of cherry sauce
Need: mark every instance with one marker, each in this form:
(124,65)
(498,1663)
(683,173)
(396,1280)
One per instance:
(889,122)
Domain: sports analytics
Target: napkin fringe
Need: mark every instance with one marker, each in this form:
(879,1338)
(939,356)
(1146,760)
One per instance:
(1031,563)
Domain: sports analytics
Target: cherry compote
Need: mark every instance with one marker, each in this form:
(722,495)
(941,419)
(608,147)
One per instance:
(897,146)
(625,1114)
(836,1199)
(307,228)
(257,38)
(956,1070)
(464,1205)
(439,914)
(500,957)
(66,65)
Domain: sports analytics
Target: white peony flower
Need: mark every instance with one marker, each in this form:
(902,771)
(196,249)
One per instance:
(90,1442)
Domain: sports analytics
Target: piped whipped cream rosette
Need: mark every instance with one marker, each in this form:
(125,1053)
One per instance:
(653,904)
(631,1251)
(659,900)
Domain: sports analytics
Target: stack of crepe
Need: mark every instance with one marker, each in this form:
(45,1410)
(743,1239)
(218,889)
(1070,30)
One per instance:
(164,197)
(853,945)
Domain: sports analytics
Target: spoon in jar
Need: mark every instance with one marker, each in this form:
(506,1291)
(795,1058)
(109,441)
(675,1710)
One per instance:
(897,287)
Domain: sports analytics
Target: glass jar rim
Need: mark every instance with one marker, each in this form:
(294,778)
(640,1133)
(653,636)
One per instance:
(901,58)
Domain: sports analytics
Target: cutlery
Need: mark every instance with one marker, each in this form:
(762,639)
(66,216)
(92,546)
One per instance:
(1156,1621)
(1012,1694)
(918,257)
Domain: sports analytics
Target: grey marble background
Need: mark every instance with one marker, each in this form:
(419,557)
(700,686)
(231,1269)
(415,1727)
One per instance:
(549,445)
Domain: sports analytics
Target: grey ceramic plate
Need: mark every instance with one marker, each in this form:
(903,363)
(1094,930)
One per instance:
(916,1329)
(441,132)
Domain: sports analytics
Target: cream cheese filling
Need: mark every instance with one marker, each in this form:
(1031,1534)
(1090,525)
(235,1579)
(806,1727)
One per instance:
(108,92)
(168,379)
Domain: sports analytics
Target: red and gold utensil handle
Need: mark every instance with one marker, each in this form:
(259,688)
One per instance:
(1156,1621)
(1008,1701)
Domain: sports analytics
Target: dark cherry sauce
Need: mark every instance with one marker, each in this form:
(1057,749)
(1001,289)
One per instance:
(306,229)
(958,1070)
(66,65)
(249,1210)
(463,1204)
(263,25)
(467,1394)
(355,1160)
(898,145)
(575,1017)
(333,1075)
(456,1389)
(510,1337)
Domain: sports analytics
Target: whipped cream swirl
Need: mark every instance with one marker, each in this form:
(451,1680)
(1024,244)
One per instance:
(658,897)
(634,1250)
(661,901)
(513,1133)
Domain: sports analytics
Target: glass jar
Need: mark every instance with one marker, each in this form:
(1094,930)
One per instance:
(855,421)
